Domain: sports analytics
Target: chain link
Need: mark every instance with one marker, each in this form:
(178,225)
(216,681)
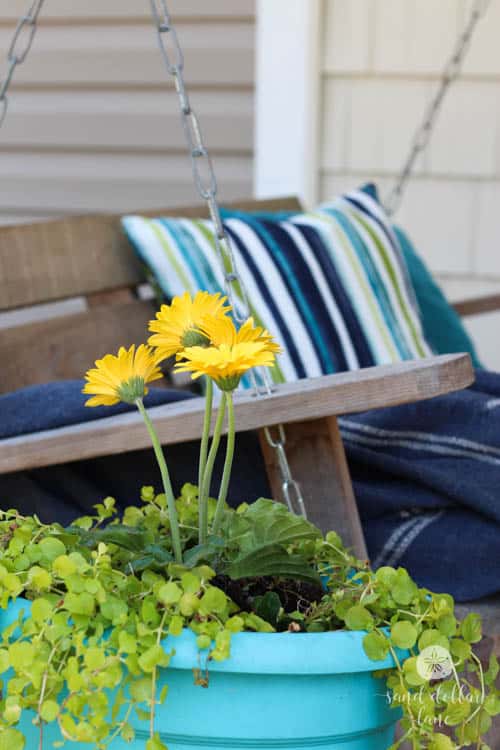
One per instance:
(424,132)
(18,51)
(206,184)
(206,181)
(289,486)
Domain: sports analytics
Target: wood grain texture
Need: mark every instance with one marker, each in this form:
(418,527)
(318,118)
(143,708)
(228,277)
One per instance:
(478,305)
(81,255)
(64,348)
(317,460)
(311,399)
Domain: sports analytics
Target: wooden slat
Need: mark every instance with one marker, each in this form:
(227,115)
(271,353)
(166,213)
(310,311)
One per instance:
(327,491)
(295,402)
(79,255)
(130,9)
(13,218)
(119,120)
(64,348)
(125,56)
(37,313)
(53,260)
(478,305)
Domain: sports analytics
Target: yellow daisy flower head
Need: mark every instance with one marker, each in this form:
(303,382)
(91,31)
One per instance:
(224,332)
(225,364)
(177,325)
(122,377)
(233,352)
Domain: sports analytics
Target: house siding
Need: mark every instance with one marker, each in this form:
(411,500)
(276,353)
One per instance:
(93,121)
(381,61)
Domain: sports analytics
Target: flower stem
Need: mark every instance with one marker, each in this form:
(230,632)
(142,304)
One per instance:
(204,450)
(228,463)
(167,484)
(209,467)
(154,678)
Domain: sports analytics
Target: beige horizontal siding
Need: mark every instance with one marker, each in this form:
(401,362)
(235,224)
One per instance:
(93,120)
(142,121)
(128,55)
(69,183)
(98,9)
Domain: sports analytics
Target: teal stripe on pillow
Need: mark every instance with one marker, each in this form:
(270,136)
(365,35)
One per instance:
(441,323)
(331,285)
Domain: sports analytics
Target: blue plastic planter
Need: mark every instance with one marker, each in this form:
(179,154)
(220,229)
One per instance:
(282,690)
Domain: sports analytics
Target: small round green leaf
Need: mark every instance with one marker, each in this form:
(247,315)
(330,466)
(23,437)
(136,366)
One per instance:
(11,739)
(404,634)
(358,618)
(376,646)
(49,710)
(471,628)
(170,593)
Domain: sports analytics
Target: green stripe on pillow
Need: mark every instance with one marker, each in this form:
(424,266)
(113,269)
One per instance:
(332,286)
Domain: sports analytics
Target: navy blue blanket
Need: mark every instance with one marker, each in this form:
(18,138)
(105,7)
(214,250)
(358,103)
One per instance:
(427,482)
(426,477)
(62,493)
(61,404)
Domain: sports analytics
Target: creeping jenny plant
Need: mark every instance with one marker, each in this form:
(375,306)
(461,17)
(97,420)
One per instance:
(106,598)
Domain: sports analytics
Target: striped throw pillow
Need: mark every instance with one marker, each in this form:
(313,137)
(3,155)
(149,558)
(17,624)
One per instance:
(331,285)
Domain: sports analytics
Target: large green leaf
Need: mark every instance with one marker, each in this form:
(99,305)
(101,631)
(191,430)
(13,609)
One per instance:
(271,523)
(206,553)
(268,607)
(271,560)
(127,537)
(154,557)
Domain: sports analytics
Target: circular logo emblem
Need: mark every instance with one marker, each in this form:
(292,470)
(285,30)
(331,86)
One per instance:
(434,663)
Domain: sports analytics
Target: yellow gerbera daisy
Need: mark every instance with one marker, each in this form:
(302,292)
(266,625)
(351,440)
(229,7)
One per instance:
(122,377)
(235,353)
(223,332)
(177,325)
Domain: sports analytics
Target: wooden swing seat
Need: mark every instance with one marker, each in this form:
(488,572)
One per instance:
(89,256)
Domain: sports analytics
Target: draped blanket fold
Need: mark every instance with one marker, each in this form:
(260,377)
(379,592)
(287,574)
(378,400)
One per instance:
(426,477)
(427,482)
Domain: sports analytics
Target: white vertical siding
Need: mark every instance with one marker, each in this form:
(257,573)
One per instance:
(380,66)
(93,122)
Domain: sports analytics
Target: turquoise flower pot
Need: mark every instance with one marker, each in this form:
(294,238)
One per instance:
(278,690)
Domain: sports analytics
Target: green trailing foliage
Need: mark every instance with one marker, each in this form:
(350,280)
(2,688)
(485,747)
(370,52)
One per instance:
(107,602)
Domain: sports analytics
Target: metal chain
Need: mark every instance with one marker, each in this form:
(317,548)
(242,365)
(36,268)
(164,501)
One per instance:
(424,132)
(18,51)
(289,486)
(206,184)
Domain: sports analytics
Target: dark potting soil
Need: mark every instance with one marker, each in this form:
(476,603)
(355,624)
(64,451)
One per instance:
(294,596)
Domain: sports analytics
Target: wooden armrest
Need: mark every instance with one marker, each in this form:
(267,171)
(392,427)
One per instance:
(331,395)
(478,305)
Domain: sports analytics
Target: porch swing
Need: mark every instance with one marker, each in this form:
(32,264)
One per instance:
(89,256)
